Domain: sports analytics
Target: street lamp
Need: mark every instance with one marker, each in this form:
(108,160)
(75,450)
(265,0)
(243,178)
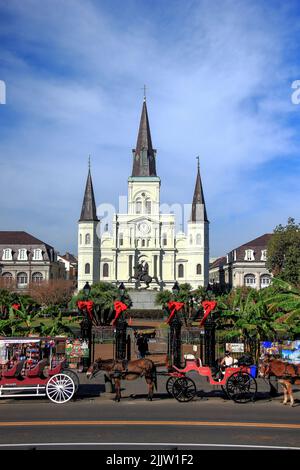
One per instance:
(122,290)
(87,290)
(176,288)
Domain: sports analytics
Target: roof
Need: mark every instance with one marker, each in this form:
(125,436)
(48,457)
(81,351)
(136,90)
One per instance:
(261,241)
(257,245)
(88,211)
(144,154)
(198,208)
(218,262)
(20,238)
(69,257)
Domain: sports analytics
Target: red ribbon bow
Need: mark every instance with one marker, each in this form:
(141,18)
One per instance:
(174,307)
(209,306)
(119,308)
(16,306)
(88,304)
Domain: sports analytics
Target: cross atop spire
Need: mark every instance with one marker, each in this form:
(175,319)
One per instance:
(144,154)
(198,207)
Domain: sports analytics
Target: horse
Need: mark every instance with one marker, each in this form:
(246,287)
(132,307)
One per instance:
(126,370)
(146,278)
(286,373)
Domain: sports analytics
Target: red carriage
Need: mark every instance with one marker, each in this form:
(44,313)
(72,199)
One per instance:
(31,375)
(237,382)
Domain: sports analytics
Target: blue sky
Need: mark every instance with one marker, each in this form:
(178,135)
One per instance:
(218,76)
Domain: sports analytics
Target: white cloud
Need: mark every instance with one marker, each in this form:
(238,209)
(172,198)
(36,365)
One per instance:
(218,86)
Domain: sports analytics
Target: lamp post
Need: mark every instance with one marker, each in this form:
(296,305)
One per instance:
(86,325)
(210,338)
(174,343)
(120,332)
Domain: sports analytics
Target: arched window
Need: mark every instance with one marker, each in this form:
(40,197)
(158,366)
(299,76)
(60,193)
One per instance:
(265,280)
(198,239)
(37,278)
(198,269)
(87,268)
(121,240)
(80,238)
(143,242)
(138,206)
(87,239)
(249,280)
(105,270)
(22,279)
(22,254)
(164,239)
(7,278)
(191,239)
(180,270)
(148,206)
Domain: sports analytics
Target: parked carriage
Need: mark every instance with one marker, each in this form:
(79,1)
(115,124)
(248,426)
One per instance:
(36,371)
(237,382)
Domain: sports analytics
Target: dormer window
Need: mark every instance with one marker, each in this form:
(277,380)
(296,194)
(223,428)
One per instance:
(7,254)
(37,255)
(22,256)
(263,255)
(249,255)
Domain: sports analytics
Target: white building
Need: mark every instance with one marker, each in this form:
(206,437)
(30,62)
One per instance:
(243,266)
(144,233)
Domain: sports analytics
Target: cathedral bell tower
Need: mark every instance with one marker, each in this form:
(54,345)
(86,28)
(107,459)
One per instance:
(88,241)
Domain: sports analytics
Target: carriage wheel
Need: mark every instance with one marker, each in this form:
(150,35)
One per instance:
(60,388)
(224,391)
(169,386)
(73,376)
(241,387)
(184,389)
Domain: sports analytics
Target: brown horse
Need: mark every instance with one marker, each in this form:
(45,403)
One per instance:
(123,370)
(286,373)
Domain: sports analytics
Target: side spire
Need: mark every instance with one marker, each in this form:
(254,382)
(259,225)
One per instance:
(144,154)
(198,207)
(89,211)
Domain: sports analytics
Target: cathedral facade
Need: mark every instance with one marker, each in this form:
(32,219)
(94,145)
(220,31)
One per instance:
(143,244)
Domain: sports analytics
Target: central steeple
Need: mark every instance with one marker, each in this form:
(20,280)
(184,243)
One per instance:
(144,154)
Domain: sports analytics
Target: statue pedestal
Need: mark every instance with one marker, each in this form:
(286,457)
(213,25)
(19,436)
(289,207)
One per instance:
(144,299)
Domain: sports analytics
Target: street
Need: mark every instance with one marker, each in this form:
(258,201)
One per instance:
(92,421)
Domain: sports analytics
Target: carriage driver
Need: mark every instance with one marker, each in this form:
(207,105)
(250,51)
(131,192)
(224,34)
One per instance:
(227,360)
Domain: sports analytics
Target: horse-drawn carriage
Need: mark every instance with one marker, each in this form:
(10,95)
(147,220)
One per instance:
(34,371)
(237,382)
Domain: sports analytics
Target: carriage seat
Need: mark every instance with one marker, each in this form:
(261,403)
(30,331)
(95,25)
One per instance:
(57,369)
(37,371)
(15,371)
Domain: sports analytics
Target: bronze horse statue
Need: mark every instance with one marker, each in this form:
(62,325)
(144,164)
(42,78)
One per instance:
(126,370)
(286,373)
(141,274)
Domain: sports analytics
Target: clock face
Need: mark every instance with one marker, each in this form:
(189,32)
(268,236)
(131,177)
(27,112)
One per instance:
(144,227)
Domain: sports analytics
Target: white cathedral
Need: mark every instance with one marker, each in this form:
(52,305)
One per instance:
(143,234)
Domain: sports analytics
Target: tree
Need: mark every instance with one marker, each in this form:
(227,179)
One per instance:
(103,294)
(54,292)
(283,250)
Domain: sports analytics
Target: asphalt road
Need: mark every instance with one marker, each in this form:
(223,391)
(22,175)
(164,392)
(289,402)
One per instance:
(89,422)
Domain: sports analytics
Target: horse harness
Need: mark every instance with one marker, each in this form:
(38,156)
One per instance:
(121,373)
